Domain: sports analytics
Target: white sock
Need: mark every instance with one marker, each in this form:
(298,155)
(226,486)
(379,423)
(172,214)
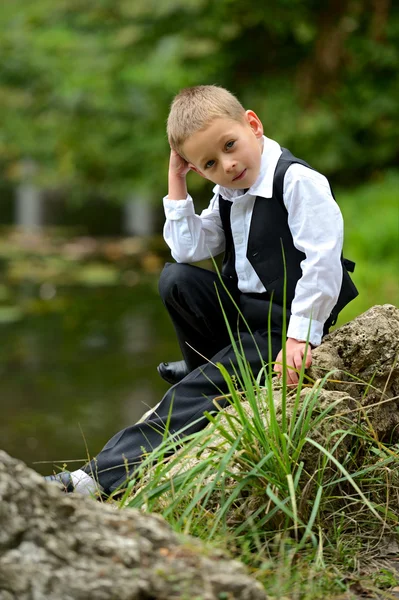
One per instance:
(84,484)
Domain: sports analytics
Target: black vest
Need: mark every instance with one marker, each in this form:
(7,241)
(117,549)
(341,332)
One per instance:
(270,245)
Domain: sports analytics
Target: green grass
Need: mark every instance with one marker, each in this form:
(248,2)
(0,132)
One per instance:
(287,482)
(247,484)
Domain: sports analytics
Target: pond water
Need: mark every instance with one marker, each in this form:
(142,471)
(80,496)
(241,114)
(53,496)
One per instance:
(78,367)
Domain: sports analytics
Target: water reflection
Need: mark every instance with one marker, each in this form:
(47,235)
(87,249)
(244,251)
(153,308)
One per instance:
(78,368)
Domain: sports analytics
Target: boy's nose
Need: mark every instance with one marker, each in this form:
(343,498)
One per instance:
(230,165)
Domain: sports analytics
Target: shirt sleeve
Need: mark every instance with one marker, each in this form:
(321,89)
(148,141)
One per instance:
(192,237)
(316,224)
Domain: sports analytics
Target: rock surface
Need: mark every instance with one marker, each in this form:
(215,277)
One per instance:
(57,547)
(364,354)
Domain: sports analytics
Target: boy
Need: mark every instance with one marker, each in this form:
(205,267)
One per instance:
(264,199)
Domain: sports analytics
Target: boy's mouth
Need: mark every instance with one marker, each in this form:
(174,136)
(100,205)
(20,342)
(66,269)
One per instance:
(240,176)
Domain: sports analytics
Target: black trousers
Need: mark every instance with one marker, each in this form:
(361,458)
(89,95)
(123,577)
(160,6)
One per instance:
(190,296)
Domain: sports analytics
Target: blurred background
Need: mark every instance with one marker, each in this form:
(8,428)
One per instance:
(85,88)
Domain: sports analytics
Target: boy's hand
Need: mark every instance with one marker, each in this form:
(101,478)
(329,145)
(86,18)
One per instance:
(178,169)
(177,165)
(295,351)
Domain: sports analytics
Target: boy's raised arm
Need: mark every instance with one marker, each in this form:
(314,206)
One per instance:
(178,169)
(190,237)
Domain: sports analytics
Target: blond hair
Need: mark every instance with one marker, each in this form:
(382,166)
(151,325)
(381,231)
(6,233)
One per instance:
(194,108)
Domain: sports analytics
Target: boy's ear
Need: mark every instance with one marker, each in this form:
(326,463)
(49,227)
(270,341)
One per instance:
(254,122)
(192,168)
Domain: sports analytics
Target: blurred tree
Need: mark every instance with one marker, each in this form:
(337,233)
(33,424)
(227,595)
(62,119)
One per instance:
(85,86)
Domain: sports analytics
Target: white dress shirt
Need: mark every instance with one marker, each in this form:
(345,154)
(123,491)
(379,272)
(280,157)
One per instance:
(315,222)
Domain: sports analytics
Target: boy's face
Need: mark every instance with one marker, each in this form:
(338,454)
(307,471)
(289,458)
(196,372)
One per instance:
(227,152)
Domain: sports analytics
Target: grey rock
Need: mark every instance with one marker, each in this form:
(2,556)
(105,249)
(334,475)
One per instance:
(364,355)
(69,547)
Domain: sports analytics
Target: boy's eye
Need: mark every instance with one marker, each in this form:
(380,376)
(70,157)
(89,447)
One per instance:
(230,144)
(209,164)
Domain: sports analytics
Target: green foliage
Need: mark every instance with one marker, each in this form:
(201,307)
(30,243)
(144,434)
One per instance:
(85,88)
(300,518)
(291,484)
(372,240)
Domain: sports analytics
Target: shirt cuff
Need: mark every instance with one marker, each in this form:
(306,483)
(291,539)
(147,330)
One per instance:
(177,209)
(302,328)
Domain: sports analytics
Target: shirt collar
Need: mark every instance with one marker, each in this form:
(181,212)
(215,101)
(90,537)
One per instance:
(263,186)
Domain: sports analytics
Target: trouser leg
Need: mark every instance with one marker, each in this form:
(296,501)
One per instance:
(189,294)
(184,404)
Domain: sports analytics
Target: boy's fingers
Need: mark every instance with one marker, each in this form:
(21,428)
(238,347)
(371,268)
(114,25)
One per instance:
(291,379)
(293,360)
(278,369)
(297,360)
(294,364)
(277,365)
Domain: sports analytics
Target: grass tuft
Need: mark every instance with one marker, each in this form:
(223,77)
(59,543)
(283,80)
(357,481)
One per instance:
(294,484)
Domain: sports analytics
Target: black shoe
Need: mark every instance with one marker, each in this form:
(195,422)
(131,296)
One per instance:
(173,372)
(63,479)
